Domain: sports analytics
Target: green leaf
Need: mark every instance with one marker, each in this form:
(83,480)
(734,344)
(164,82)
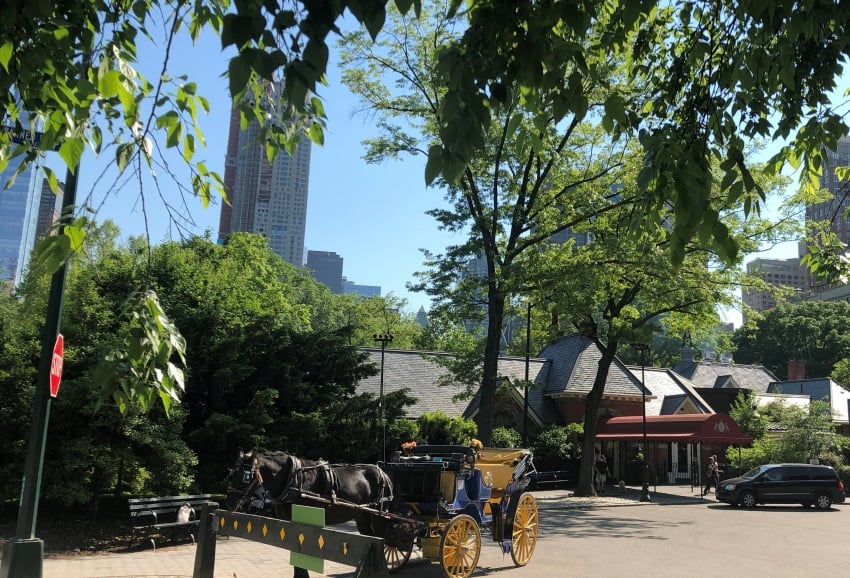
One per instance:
(71,151)
(6,50)
(123,154)
(434,166)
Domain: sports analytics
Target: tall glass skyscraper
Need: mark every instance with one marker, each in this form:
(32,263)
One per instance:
(266,198)
(18,218)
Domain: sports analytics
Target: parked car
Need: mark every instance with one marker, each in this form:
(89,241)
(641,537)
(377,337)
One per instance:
(805,484)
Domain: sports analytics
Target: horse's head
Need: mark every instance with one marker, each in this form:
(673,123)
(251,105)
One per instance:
(240,478)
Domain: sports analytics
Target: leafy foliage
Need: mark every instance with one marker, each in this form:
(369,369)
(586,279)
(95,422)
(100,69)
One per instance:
(745,412)
(801,434)
(438,428)
(816,332)
(559,448)
(506,437)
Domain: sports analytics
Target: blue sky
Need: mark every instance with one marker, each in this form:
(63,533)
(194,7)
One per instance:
(371,215)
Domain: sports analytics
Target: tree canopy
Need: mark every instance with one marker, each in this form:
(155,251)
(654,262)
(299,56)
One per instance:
(815,332)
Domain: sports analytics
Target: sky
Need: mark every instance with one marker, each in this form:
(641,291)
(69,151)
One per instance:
(371,215)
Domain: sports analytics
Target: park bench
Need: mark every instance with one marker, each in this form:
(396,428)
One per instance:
(155,516)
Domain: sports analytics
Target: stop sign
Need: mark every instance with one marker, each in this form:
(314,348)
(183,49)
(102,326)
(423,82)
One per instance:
(56,366)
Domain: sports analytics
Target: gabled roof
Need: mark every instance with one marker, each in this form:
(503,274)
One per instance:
(670,392)
(575,360)
(821,388)
(419,372)
(721,375)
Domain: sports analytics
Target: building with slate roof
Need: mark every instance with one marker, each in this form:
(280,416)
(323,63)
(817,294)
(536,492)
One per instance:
(563,375)
(722,375)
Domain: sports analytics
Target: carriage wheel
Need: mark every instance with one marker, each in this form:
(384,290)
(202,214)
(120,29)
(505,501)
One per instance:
(460,546)
(398,544)
(525,527)
(396,556)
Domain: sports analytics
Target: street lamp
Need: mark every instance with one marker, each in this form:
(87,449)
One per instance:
(643,348)
(527,360)
(384,338)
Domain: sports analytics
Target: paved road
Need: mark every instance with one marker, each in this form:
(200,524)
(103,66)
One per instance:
(676,535)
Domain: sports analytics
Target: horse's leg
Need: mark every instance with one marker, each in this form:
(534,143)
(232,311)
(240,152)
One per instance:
(301,573)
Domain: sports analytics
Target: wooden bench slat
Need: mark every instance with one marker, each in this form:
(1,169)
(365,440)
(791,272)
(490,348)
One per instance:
(145,513)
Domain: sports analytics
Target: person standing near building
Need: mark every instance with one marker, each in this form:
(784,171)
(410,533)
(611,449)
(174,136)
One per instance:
(712,474)
(601,472)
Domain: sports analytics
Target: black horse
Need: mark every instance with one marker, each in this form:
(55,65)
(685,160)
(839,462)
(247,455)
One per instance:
(269,483)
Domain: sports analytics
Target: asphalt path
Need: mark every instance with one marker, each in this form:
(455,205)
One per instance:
(697,538)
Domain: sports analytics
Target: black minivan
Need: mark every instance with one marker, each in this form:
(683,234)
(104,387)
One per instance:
(804,484)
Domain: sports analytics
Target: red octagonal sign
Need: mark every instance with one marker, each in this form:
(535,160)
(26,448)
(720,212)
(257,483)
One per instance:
(56,366)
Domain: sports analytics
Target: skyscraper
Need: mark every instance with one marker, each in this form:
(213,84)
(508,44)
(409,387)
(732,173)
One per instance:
(49,208)
(265,198)
(18,218)
(327,269)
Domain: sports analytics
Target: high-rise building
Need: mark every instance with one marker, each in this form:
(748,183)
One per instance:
(834,208)
(787,273)
(361,290)
(265,198)
(49,208)
(327,268)
(18,217)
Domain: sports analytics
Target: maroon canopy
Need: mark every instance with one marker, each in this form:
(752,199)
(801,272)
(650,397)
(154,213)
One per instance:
(717,428)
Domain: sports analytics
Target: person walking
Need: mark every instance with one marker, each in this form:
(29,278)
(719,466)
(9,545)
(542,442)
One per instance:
(601,472)
(712,474)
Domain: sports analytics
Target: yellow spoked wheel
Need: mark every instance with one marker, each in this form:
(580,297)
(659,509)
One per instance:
(396,557)
(525,527)
(460,547)
(398,544)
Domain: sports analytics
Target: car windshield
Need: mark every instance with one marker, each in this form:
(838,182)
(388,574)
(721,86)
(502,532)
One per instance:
(754,472)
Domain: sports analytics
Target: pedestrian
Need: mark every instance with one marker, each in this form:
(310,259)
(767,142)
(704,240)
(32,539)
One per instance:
(601,472)
(712,473)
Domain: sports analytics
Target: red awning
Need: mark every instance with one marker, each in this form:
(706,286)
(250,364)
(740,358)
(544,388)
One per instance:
(717,428)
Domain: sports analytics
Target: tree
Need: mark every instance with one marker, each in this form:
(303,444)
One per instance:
(745,412)
(805,433)
(711,74)
(815,332)
(511,198)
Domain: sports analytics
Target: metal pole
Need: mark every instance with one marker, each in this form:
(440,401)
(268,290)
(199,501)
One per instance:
(644,490)
(22,555)
(384,338)
(525,397)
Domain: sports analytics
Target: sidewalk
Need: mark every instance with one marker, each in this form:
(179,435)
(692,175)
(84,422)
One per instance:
(242,558)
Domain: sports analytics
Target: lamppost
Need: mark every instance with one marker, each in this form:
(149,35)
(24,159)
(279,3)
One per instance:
(527,360)
(643,348)
(384,338)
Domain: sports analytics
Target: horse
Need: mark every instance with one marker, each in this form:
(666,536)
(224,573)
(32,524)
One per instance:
(270,483)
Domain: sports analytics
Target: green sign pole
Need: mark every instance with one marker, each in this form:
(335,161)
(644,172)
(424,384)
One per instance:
(23,554)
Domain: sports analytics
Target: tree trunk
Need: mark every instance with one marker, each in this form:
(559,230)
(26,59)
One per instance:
(585,485)
(492,349)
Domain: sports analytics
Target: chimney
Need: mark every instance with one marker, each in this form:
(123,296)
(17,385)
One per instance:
(688,354)
(796,369)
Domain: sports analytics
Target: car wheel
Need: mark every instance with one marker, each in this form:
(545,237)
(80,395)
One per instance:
(823,501)
(748,500)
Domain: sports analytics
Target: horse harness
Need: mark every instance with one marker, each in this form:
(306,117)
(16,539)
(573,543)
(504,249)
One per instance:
(294,489)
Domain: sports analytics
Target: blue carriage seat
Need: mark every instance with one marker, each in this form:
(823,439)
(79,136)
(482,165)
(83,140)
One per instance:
(476,489)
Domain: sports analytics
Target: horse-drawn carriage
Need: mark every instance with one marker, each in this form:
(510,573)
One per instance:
(446,497)
(439,499)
